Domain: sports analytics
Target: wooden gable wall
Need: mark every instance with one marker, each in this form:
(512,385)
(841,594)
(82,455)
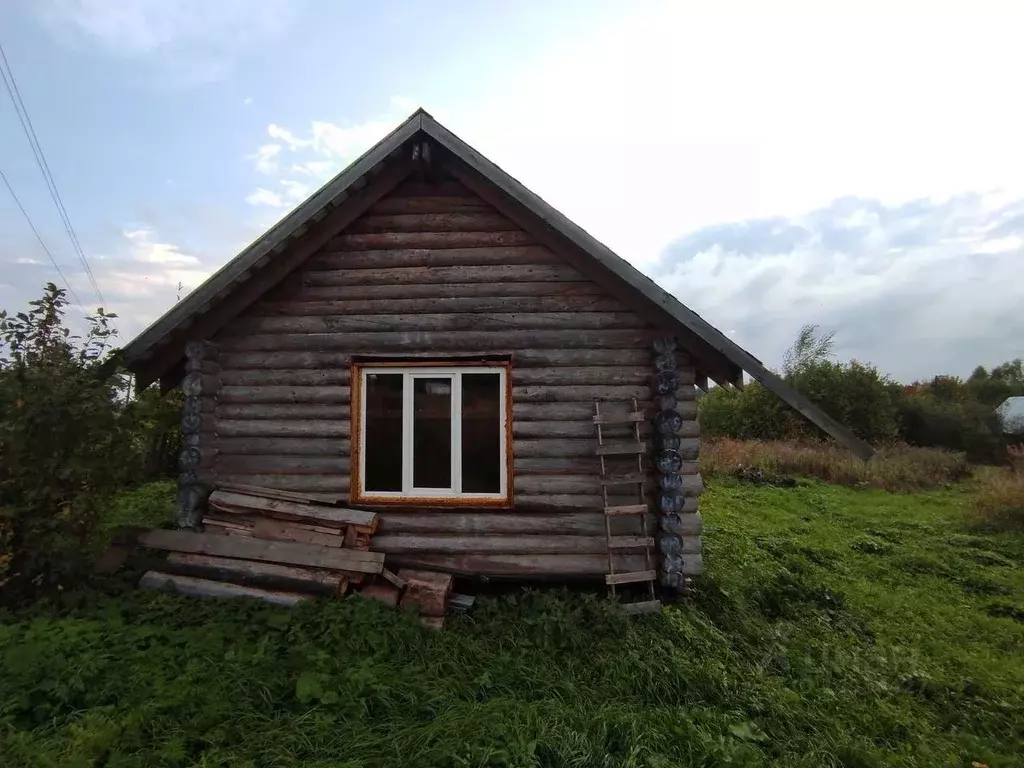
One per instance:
(433,271)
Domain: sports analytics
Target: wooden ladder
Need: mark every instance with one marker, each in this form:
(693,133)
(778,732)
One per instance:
(617,544)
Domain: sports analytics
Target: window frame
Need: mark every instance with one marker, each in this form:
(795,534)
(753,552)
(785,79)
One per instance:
(410,495)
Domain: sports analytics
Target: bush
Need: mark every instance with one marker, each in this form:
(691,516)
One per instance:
(893,468)
(963,425)
(64,443)
(1000,505)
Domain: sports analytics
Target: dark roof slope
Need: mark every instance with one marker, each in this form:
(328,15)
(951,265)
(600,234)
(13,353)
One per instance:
(342,186)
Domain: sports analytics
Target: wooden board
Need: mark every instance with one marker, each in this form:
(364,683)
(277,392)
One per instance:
(238,503)
(197,587)
(510,545)
(283,552)
(255,573)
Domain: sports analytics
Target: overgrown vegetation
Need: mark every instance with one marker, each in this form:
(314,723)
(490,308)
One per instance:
(70,438)
(893,468)
(836,628)
(945,412)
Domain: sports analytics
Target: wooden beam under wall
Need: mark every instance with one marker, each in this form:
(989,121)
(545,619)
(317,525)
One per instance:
(722,371)
(241,296)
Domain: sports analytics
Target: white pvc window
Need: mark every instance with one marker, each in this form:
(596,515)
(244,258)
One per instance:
(433,432)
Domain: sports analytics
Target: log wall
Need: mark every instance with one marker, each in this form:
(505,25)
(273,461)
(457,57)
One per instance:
(432,271)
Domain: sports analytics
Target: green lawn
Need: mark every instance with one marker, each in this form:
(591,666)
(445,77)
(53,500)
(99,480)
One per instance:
(836,628)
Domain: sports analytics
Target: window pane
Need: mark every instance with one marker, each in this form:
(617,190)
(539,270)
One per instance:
(432,433)
(481,433)
(383,450)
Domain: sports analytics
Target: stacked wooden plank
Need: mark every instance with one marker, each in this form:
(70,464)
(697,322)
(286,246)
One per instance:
(426,593)
(275,545)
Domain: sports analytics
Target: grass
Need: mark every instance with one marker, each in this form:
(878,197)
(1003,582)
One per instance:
(837,627)
(893,468)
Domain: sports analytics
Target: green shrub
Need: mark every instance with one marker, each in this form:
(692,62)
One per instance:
(64,445)
(956,424)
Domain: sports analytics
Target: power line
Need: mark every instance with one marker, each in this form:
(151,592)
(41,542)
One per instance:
(44,167)
(39,237)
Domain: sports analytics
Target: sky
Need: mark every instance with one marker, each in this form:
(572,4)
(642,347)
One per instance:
(771,164)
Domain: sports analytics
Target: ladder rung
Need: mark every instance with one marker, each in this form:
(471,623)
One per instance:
(630,542)
(649,606)
(611,448)
(626,509)
(627,418)
(632,477)
(629,578)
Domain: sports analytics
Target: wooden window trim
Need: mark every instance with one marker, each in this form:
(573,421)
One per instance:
(356,493)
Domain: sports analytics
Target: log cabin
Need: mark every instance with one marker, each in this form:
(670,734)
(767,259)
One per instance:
(427,338)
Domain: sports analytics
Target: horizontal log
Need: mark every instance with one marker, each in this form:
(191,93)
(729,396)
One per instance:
(306,377)
(431,204)
(617,394)
(521,359)
(246,504)
(557,484)
(252,573)
(475,342)
(381,240)
(536,544)
(198,587)
(570,429)
(282,428)
(297,291)
(281,446)
(603,375)
(553,502)
(578,465)
(634,376)
(496,321)
(442,304)
(563,408)
(554,448)
(418,188)
(284,552)
(431,257)
(520,566)
(443,275)
(283,394)
(491,523)
(281,465)
(457,223)
(296,411)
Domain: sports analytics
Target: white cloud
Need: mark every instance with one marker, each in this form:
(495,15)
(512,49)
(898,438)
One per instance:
(146,250)
(322,152)
(266,158)
(920,288)
(247,100)
(26,260)
(295,190)
(262,196)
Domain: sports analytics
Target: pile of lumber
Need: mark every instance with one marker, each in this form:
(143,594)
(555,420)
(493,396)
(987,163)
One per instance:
(274,545)
(425,593)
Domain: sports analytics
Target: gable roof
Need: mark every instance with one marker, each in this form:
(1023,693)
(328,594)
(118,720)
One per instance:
(158,350)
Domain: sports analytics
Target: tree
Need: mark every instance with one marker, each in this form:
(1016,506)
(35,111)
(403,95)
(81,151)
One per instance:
(810,348)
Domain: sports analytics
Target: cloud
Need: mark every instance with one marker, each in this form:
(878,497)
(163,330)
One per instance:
(266,158)
(26,260)
(317,154)
(919,288)
(262,196)
(148,251)
(192,40)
